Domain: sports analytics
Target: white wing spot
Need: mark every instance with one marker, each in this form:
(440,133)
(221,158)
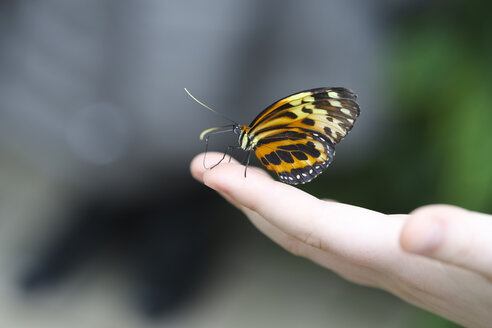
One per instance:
(345,111)
(335,103)
(298,176)
(310,171)
(333,94)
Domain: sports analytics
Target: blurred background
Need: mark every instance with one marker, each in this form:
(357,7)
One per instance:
(100,222)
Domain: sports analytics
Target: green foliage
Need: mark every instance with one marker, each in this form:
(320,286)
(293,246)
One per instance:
(442,78)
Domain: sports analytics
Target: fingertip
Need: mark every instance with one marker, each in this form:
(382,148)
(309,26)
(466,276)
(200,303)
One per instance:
(202,163)
(452,235)
(196,167)
(423,232)
(229,177)
(421,235)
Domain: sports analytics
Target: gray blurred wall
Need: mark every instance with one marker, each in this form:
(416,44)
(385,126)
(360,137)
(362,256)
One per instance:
(91,92)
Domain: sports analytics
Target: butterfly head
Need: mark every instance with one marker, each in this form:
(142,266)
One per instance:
(237,129)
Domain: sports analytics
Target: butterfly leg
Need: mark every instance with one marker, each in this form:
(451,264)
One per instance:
(247,162)
(206,150)
(229,148)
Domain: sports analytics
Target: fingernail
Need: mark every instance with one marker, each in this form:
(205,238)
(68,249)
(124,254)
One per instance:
(429,239)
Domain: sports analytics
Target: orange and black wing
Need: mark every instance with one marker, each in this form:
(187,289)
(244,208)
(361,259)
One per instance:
(296,136)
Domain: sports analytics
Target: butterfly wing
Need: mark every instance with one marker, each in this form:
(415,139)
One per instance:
(296,136)
(296,159)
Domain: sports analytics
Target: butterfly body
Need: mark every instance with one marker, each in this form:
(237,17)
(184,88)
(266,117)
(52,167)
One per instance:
(296,136)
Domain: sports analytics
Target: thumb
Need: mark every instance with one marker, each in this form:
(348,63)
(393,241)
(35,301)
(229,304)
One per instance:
(450,234)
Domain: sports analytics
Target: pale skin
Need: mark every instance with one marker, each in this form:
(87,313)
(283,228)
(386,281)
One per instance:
(438,257)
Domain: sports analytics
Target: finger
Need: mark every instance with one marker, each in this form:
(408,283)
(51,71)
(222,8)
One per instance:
(352,271)
(331,226)
(257,193)
(258,221)
(450,234)
(285,214)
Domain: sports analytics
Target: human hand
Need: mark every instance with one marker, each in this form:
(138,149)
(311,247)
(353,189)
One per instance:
(438,257)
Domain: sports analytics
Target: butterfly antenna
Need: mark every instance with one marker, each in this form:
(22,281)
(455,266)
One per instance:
(198,101)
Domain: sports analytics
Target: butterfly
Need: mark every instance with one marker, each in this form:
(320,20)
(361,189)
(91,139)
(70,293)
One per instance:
(295,137)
